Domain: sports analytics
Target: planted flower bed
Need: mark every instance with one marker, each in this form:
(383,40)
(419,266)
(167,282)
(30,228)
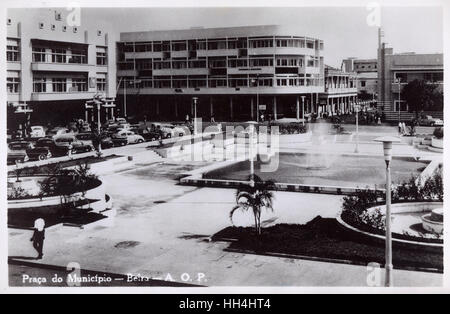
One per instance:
(325,238)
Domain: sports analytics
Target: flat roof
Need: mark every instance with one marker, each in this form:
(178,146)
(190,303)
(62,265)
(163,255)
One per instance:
(220,32)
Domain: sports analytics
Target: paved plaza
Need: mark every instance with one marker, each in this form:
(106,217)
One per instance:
(162,229)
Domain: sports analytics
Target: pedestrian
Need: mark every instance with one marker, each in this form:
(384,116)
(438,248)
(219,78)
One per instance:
(39,236)
(187,119)
(213,120)
(400,127)
(262,117)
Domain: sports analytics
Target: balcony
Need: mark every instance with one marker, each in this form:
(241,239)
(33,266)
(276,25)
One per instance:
(61,96)
(61,67)
(13,66)
(185,71)
(217,52)
(341,90)
(252,70)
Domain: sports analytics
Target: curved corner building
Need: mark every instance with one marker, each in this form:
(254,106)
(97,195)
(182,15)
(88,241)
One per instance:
(233,73)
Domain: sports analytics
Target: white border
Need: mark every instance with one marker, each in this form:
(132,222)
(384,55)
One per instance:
(209,3)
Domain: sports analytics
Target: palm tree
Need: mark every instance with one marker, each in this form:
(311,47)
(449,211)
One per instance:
(254,197)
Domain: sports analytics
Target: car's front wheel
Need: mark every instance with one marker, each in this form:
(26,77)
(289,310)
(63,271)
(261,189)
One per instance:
(42,157)
(140,141)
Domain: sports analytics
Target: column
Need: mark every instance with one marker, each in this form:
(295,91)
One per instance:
(275,113)
(176,108)
(231,107)
(211,107)
(157,107)
(297,102)
(251,108)
(311,103)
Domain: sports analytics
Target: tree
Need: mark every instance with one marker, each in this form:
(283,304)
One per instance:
(254,197)
(421,95)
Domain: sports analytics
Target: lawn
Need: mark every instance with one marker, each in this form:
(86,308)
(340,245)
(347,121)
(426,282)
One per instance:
(325,238)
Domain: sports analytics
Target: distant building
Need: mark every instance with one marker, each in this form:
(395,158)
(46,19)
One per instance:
(367,75)
(406,67)
(54,68)
(227,70)
(340,94)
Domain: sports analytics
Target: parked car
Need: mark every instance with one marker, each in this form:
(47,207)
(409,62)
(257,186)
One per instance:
(166,130)
(39,153)
(90,138)
(37,131)
(121,120)
(126,137)
(85,127)
(58,131)
(9,135)
(150,135)
(17,152)
(430,121)
(71,142)
(85,138)
(50,144)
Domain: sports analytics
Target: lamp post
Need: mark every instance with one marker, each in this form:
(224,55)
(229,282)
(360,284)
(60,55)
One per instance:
(195,99)
(256,81)
(398,81)
(303,110)
(252,164)
(387,148)
(357,130)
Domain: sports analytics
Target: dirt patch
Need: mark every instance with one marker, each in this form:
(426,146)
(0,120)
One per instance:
(126,244)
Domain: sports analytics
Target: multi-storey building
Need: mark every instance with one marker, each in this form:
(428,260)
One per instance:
(340,94)
(54,67)
(231,73)
(397,70)
(367,75)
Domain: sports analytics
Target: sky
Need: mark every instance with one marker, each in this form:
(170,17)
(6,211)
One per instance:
(344,30)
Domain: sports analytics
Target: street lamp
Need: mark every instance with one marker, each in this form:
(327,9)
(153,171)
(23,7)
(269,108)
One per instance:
(398,81)
(357,130)
(387,148)
(195,99)
(303,110)
(252,164)
(257,95)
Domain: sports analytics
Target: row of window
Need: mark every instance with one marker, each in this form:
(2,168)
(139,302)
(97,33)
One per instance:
(218,44)
(60,85)
(177,82)
(44,55)
(157,64)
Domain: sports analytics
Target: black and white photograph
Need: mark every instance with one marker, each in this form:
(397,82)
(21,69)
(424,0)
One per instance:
(237,147)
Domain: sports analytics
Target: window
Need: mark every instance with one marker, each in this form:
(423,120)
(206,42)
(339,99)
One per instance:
(59,85)
(75,29)
(363,83)
(59,56)
(99,33)
(8,22)
(53,27)
(64,28)
(101,84)
(12,53)
(101,56)
(40,85)
(78,56)
(41,25)
(12,85)
(79,85)
(57,16)
(180,46)
(38,54)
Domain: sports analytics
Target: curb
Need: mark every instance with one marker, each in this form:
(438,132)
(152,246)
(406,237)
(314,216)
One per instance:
(330,260)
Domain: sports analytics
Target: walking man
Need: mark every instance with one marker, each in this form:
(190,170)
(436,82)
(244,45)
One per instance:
(39,236)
